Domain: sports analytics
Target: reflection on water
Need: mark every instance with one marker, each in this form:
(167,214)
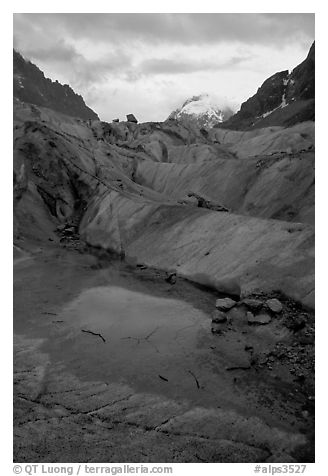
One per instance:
(154,344)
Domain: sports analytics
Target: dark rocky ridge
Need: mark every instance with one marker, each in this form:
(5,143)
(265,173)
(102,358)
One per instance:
(302,84)
(283,99)
(30,85)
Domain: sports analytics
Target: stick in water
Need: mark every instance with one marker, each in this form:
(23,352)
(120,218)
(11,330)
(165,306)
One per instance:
(94,334)
(197,383)
(163,378)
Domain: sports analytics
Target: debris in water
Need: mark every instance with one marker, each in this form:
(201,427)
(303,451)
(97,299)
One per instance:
(245,367)
(151,333)
(163,378)
(146,338)
(94,334)
(191,373)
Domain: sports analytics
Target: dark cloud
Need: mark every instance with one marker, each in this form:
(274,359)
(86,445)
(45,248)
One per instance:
(60,51)
(83,72)
(86,72)
(170,66)
(56,39)
(183,28)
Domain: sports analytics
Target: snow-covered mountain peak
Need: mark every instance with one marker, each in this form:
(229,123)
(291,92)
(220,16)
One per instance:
(203,110)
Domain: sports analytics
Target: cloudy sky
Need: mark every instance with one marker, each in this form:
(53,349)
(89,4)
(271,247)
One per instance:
(148,63)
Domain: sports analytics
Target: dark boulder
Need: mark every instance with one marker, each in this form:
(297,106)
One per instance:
(224,304)
(218,317)
(204,203)
(171,278)
(259,319)
(131,118)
